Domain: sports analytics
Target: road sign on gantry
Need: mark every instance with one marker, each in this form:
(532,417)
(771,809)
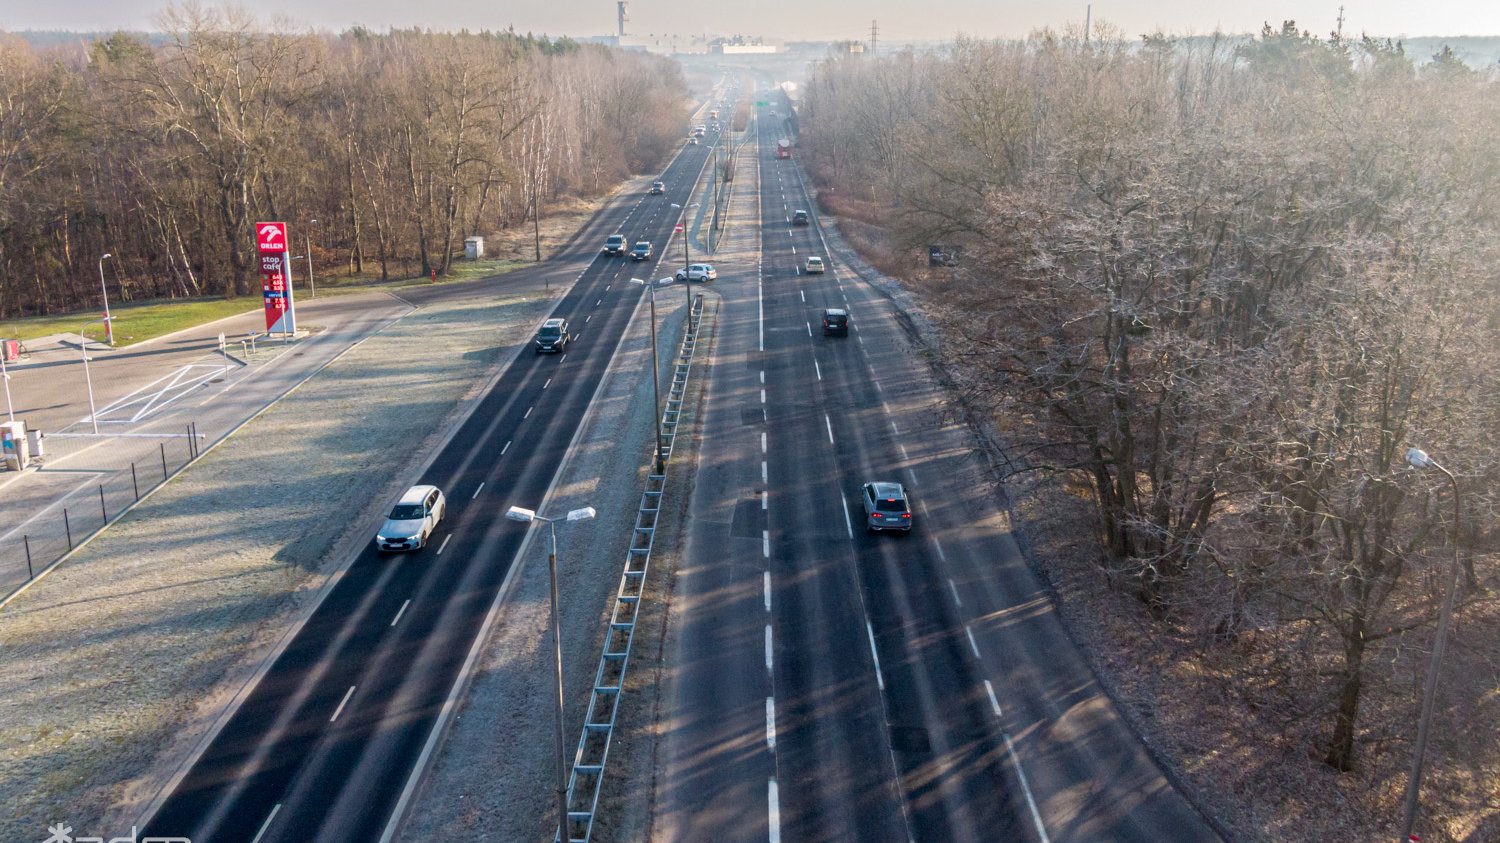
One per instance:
(275,277)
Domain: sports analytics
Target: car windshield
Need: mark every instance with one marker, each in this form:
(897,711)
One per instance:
(406,512)
(615,239)
(890,505)
(551,332)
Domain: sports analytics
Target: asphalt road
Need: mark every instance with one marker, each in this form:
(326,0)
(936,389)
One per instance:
(324,744)
(831,685)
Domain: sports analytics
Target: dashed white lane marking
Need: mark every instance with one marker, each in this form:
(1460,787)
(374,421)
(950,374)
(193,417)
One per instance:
(267,824)
(803,294)
(587,318)
(972,646)
(765,500)
(765,543)
(399,612)
(766,581)
(879,679)
(994,703)
(903,451)
(937,544)
(762,443)
(912,475)
(547,383)
(878,387)
(773,811)
(528,413)
(771,722)
(599,302)
(760,303)
(444,544)
(849,525)
(762,396)
(818,369)
(829,422)
(477,491)
(769,660)
(506,448)
(1036,816)
(809,328)
(345,701)
(763,478)
(953,588)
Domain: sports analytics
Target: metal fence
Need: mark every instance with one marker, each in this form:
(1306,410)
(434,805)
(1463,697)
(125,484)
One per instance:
(35,548)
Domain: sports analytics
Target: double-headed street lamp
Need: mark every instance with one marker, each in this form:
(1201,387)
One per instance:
(312,288)
(682,221)
(1418,458)
(109,329)
(655,373)
(517,513)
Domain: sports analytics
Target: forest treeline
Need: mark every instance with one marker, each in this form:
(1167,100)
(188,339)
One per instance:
(164,153)
(1229,285)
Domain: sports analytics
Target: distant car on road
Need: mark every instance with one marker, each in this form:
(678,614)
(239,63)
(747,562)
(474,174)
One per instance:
(614,244)
(815,266)
(886,507)
(413,519)
(698,272)
(800,217)
(642,251)
(692,141)
(657,188)
(835,322)
(553,336)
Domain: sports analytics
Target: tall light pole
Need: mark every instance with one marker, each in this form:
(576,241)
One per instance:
(83,345)
(312,288)
(109,329)
(1418,458)
(10,409)
(682,221)
(516,513)
(655,376)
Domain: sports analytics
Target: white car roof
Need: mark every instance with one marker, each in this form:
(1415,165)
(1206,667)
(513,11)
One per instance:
(416,494)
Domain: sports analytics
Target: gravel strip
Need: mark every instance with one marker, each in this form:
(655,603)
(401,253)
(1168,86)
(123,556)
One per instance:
(114,667)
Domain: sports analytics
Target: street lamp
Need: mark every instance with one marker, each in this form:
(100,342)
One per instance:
(109,330)
(517,513)
(10,409)
(682,220)
(83,345)
(655,372)
(312,288)
(1418,458)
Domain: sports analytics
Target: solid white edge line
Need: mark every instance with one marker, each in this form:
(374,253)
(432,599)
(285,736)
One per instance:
(771,722)
(345,701)
(994,703)
(829,422)
(973,646)
(766,578)
(770,661)
(399,612)
(477,491)
(847,523)
(773,812)
(879,679)
(444,544)
(1036,816)
(267,824)
(953,588)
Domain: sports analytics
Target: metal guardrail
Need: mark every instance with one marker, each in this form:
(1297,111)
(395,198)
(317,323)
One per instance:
(587,779)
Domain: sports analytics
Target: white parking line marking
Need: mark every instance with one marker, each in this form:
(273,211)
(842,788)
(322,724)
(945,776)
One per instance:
(528,413)
(1036,817)
(477,491)
(399,612)
(953,588)
(765,543)
(774,812)
(771,722)
(766,580)
(818,369)
(829,422)
(769,660)
(847,523)
(972,646)
(444,544)
(879,679)
(994,703)
(345,701)
(506,448)
(267,824)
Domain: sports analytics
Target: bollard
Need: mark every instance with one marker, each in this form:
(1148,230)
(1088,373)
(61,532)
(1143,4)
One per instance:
(164,462)
(68,527)
(26,540)
(135,484)
(102,508)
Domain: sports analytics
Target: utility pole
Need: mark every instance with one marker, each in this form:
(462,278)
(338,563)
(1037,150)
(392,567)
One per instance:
(874,34)
(1340,33)
(1088,21)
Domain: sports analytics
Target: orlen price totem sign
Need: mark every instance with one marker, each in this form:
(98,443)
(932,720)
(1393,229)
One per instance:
(275,277)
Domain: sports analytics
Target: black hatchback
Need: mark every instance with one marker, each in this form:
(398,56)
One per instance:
(835,322)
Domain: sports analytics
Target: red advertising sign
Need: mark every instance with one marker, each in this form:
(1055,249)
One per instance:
(270,241)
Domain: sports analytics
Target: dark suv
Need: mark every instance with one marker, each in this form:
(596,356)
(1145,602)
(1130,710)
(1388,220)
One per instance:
(614,244)
(835,322)
(657,188)
(800,218)
(553,336)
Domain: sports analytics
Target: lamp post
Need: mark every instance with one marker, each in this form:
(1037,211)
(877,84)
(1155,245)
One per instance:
(655,375)
(1418,458)
(516,513)
(10,409)
(109,330)
(682,221)
(312,288)
(83,345)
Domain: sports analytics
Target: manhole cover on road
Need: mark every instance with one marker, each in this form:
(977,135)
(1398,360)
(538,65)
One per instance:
(910,739)
(752,415)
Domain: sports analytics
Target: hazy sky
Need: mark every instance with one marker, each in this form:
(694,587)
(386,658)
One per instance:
(820,19)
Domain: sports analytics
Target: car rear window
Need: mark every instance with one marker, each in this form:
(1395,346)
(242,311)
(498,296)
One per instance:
(406,512)
(890,505)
